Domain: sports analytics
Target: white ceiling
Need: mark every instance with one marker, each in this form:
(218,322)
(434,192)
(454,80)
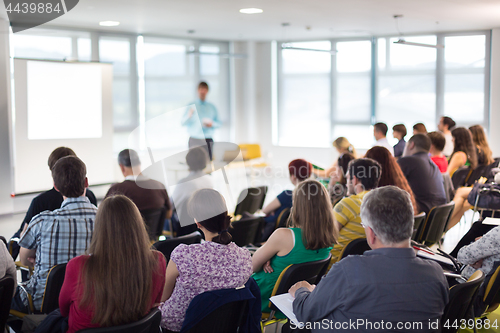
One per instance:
(220,19)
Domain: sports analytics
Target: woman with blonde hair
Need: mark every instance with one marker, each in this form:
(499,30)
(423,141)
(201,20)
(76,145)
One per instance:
(120,278)
(484,154)
(310,237)
(343,146)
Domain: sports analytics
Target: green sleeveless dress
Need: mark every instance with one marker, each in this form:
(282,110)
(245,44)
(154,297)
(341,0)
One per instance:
(298,255)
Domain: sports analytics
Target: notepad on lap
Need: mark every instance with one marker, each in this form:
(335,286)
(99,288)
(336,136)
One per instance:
(284,303)
(491,221)
(435,257)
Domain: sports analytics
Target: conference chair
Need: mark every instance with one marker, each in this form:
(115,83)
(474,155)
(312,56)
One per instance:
(460,302)
(6,292)
(356,246)
(282,219)
(417,225)
(449,190)
(435,224)
(311,272)
(167,246)
(251,201)
(247,230)
(460,176)
(154,220)
(55,280)
(148,324)
(491,298)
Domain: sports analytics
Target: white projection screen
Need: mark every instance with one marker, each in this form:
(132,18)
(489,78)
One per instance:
(61,104)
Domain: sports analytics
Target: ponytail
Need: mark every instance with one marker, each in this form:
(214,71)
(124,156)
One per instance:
(219,224)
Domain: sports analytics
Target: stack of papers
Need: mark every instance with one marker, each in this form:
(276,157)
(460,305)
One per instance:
(436,257)
(284,303)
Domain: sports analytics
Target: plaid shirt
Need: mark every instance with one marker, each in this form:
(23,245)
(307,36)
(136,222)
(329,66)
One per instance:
(57,236)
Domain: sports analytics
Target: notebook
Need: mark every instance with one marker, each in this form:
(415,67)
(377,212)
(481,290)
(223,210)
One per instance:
(491,221)
(284,303)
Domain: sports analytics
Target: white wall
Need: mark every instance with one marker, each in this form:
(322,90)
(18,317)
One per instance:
(495,93)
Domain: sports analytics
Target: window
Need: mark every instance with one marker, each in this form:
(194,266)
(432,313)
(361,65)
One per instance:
(41,47)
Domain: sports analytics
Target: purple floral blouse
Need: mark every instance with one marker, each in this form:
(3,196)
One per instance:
(203,267)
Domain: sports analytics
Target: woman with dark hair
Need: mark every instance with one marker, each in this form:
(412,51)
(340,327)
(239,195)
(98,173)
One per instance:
(399,132)
(484,154)
(214,264)
(464,152)
(391,172)
(337,185)
(419,128)
(120,278)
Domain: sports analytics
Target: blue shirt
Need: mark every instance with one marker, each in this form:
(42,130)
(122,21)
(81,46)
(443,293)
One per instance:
(399,148)
(204,110)
(58,237)
(285,199)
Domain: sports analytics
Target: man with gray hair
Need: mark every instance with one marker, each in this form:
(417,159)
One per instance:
(385,289)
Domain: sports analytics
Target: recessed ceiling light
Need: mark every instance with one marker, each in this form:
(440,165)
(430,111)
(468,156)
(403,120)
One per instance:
(109,23)
(251,10)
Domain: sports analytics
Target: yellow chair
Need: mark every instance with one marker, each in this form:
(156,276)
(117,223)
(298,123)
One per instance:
(250,151)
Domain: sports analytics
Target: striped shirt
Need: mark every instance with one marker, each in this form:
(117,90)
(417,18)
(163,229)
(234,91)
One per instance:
(347,214)
(57,236)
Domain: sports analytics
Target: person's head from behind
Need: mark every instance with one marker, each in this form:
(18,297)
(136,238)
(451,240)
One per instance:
(202,90)
(438,142)
(387,215)
(70,177)
(299,170)
(59,153)
(480,140)
(129,162)
(312,212)
(399,131)
(208,209)
(363,174)
(419,143)
(380,131)
(342,167)
(388,163)
(462,141)
(343,146)
(419,128)
(196,159)
(446,124)
(118,274)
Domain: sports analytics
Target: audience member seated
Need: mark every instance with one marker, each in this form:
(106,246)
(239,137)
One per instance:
(337,185)
(388,284)
(299,171)
(120,278)
(145,193)
(363,175)
(445,126)
(391,172)
(422,174)
(481,254)
(196,159)
(343,146)
(464,151)
(483,150)
(437,145)
(419,128)
(214,264)
(380,133)
(7,266)
(49,200)
(54,238)
(399,132)
(309,238)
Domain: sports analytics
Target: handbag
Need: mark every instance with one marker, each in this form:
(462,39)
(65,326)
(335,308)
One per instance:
(485,196)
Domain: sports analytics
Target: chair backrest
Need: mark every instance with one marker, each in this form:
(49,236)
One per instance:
(417,225)
(148,324)
(308,271)
(250,151)
(480,171)
(154,220)
(461,176)
(355,246)
(251,200)
(227,318)
(460,301)
(53,286)
(6,292)
(435,224)
(491,297)
(167,246)
(246,230)
(283,218)
(449,190)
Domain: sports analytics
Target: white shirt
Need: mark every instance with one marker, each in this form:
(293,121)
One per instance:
(448,147)
(384,143)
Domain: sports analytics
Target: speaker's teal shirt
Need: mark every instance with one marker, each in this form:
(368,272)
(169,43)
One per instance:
(194,124)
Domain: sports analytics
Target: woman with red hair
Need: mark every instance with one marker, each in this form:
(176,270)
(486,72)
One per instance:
(299,170)
(391,172)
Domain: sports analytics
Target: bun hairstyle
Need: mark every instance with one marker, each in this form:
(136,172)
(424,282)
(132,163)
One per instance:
(300,168)
(209,209)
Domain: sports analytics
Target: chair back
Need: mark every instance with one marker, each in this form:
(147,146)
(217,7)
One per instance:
(460,176)
(491,297)
(417,225)
(6,292)
(460,301)
(283,218)
(53,286)
(311,272)
(435,224)
(250,151)
(154,220)
(356,246)
(246,230)
(167,246)
(148,324)
(449,190)
(251,200)
(227,318)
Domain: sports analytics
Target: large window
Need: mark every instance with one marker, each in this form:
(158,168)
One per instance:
(323,96)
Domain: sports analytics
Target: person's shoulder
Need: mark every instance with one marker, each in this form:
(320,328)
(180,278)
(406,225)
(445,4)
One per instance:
(77,262)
